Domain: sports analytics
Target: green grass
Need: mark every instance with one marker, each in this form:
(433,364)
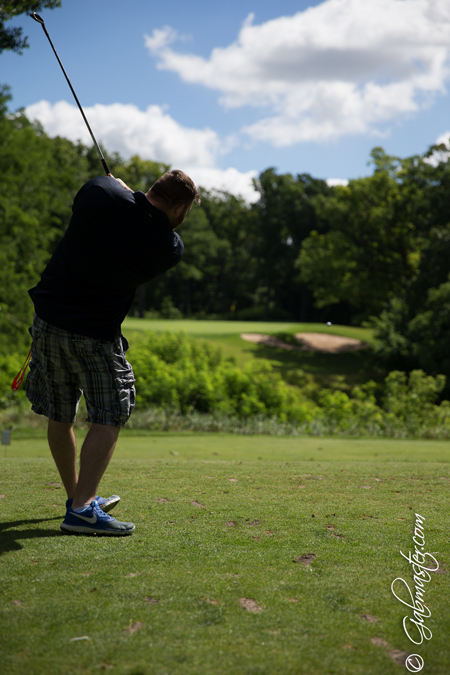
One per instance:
(230,447)
(208,328)
(220,518)
(324,370)
(167,599)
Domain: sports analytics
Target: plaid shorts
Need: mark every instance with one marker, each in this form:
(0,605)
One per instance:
(64,366)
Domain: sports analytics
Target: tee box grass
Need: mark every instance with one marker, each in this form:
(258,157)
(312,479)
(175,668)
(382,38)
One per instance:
(251,555)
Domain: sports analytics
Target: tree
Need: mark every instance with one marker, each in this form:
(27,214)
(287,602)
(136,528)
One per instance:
(372,250)
(286,215)
(235,225)
(39,177)
(11,38)
(413,330)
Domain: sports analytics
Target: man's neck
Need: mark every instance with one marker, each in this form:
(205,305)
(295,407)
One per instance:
(159,203)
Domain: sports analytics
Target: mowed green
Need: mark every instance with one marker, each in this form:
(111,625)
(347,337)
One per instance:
(252,555)
(205,328)
(353,368)
(231,447)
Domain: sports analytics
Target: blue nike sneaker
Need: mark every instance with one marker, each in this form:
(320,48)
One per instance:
(106,504)
(94,521)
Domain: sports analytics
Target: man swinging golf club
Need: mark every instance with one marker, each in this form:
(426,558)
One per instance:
(117,239)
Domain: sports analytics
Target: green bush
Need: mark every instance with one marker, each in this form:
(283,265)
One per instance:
(407,411)
(183,376)
(341,412)
(408,408)
(185,384)
(174,370)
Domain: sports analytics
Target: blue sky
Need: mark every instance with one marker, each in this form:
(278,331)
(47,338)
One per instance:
(227,90)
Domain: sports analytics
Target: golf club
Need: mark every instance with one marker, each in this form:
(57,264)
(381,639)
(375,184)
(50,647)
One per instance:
(39,19)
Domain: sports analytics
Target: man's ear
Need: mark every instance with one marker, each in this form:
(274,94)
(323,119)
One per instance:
(179,208)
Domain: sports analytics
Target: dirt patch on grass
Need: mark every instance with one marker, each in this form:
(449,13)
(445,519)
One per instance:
(306,559)
(250,605)
(442,569)
(133,627)
(211,602)
(399,656)
(151,601)
(309,342)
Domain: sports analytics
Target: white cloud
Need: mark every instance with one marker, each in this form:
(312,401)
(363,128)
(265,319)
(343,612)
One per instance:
(231,180)
(160,38)
(151,134)
(331,182)
(439,156)
(444,139)
(341,67)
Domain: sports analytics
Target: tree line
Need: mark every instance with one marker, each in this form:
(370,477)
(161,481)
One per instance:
(377,250)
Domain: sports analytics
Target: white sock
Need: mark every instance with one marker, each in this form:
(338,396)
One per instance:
(81,508)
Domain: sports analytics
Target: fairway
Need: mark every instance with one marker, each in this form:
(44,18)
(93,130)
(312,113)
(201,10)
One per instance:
(252,555)
(207,446)
(209,328)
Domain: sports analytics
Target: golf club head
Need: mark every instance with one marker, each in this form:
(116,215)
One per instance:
(37,18)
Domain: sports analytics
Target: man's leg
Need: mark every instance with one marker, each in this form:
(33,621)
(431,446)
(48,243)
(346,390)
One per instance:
(63,446)
(96,452)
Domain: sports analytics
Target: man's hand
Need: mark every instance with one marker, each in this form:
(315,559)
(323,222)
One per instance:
(120,181)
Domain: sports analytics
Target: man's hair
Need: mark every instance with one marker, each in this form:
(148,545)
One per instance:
(174,187)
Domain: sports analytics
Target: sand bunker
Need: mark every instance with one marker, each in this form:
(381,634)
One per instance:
(310,342)
(269,340)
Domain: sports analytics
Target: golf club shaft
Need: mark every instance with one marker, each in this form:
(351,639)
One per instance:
(37,18)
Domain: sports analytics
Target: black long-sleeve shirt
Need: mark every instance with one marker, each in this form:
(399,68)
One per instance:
(116,240)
